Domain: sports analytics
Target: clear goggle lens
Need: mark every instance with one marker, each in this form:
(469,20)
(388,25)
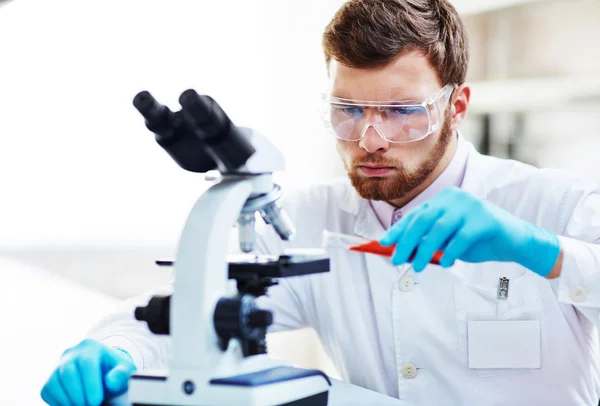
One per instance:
(398,123)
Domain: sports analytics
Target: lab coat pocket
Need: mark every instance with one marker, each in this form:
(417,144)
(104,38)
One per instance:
(494,333)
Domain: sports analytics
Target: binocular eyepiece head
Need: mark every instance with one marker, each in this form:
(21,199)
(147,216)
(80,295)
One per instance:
(200,137)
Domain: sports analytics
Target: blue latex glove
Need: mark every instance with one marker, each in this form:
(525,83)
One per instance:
(88,374)
(469,229)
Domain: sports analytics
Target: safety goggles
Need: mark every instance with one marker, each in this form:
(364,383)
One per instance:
(397,122)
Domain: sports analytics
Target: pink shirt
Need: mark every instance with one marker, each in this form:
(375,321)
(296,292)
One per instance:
(451,176)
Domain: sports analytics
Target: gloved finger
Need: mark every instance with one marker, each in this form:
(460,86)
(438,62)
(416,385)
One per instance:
(397,230)
(49,399)
(53,392)
(91,379)
(441,232)
(462,241)
(68,374)
(403,247)
(117,379)
(419,227)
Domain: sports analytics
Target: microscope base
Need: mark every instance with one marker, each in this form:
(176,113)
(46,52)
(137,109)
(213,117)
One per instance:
(279,386)
(320,399)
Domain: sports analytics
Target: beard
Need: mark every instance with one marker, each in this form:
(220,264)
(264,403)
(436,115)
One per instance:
(404,179)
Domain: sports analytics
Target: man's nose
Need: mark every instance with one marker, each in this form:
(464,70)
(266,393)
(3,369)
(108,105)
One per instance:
(372,140)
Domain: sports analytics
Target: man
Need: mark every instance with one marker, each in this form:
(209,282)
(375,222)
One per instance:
(508,317)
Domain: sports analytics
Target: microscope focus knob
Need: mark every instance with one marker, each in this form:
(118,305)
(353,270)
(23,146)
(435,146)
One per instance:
(260,318)
(239,317)
(156,314)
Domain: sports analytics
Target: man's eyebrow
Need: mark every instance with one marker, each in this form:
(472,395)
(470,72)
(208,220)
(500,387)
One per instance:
(411,99)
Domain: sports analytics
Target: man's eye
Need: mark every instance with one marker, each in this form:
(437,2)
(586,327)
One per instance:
(352,111)
(405,111)
(348,111)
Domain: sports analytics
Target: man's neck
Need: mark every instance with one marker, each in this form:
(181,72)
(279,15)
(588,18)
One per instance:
(439,169)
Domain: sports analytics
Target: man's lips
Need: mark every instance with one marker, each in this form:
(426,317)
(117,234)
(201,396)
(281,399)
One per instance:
(375,170)
(376,166)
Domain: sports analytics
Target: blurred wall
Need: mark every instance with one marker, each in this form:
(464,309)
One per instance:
(536,76)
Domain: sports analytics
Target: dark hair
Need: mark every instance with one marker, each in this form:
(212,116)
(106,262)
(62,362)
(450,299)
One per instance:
(372,33)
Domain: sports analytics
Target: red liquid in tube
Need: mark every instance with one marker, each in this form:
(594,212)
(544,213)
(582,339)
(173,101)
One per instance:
(373,247)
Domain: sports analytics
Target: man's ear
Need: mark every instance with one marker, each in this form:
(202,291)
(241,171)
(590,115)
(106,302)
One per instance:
(459,105)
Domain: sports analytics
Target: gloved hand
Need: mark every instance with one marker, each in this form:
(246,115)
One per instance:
(469,229)
(88,374)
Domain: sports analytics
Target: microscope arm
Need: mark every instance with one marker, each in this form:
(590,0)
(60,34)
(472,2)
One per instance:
(201,274)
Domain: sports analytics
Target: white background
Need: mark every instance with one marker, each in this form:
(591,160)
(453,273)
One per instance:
(77,164)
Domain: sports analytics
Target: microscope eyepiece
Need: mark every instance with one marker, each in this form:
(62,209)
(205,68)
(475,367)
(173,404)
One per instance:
(205,115)
(148,107)
(227,143)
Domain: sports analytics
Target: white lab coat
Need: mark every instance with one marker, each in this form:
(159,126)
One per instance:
(374,319)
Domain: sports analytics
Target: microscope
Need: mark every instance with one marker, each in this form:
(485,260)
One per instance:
(218,332)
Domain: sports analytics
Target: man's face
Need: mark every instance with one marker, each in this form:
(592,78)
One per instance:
(378,169)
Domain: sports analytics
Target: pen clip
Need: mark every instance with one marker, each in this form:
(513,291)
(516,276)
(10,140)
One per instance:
(503,288)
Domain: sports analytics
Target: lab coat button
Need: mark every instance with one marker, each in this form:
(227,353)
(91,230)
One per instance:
(409,371)
(407,284)
(578,293)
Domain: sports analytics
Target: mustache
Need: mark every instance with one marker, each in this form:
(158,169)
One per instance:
(374,160)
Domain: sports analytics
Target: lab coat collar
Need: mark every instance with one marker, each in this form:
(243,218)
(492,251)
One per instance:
(368,226)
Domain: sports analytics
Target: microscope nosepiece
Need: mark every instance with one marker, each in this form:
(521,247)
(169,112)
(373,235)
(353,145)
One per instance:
(280,221)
